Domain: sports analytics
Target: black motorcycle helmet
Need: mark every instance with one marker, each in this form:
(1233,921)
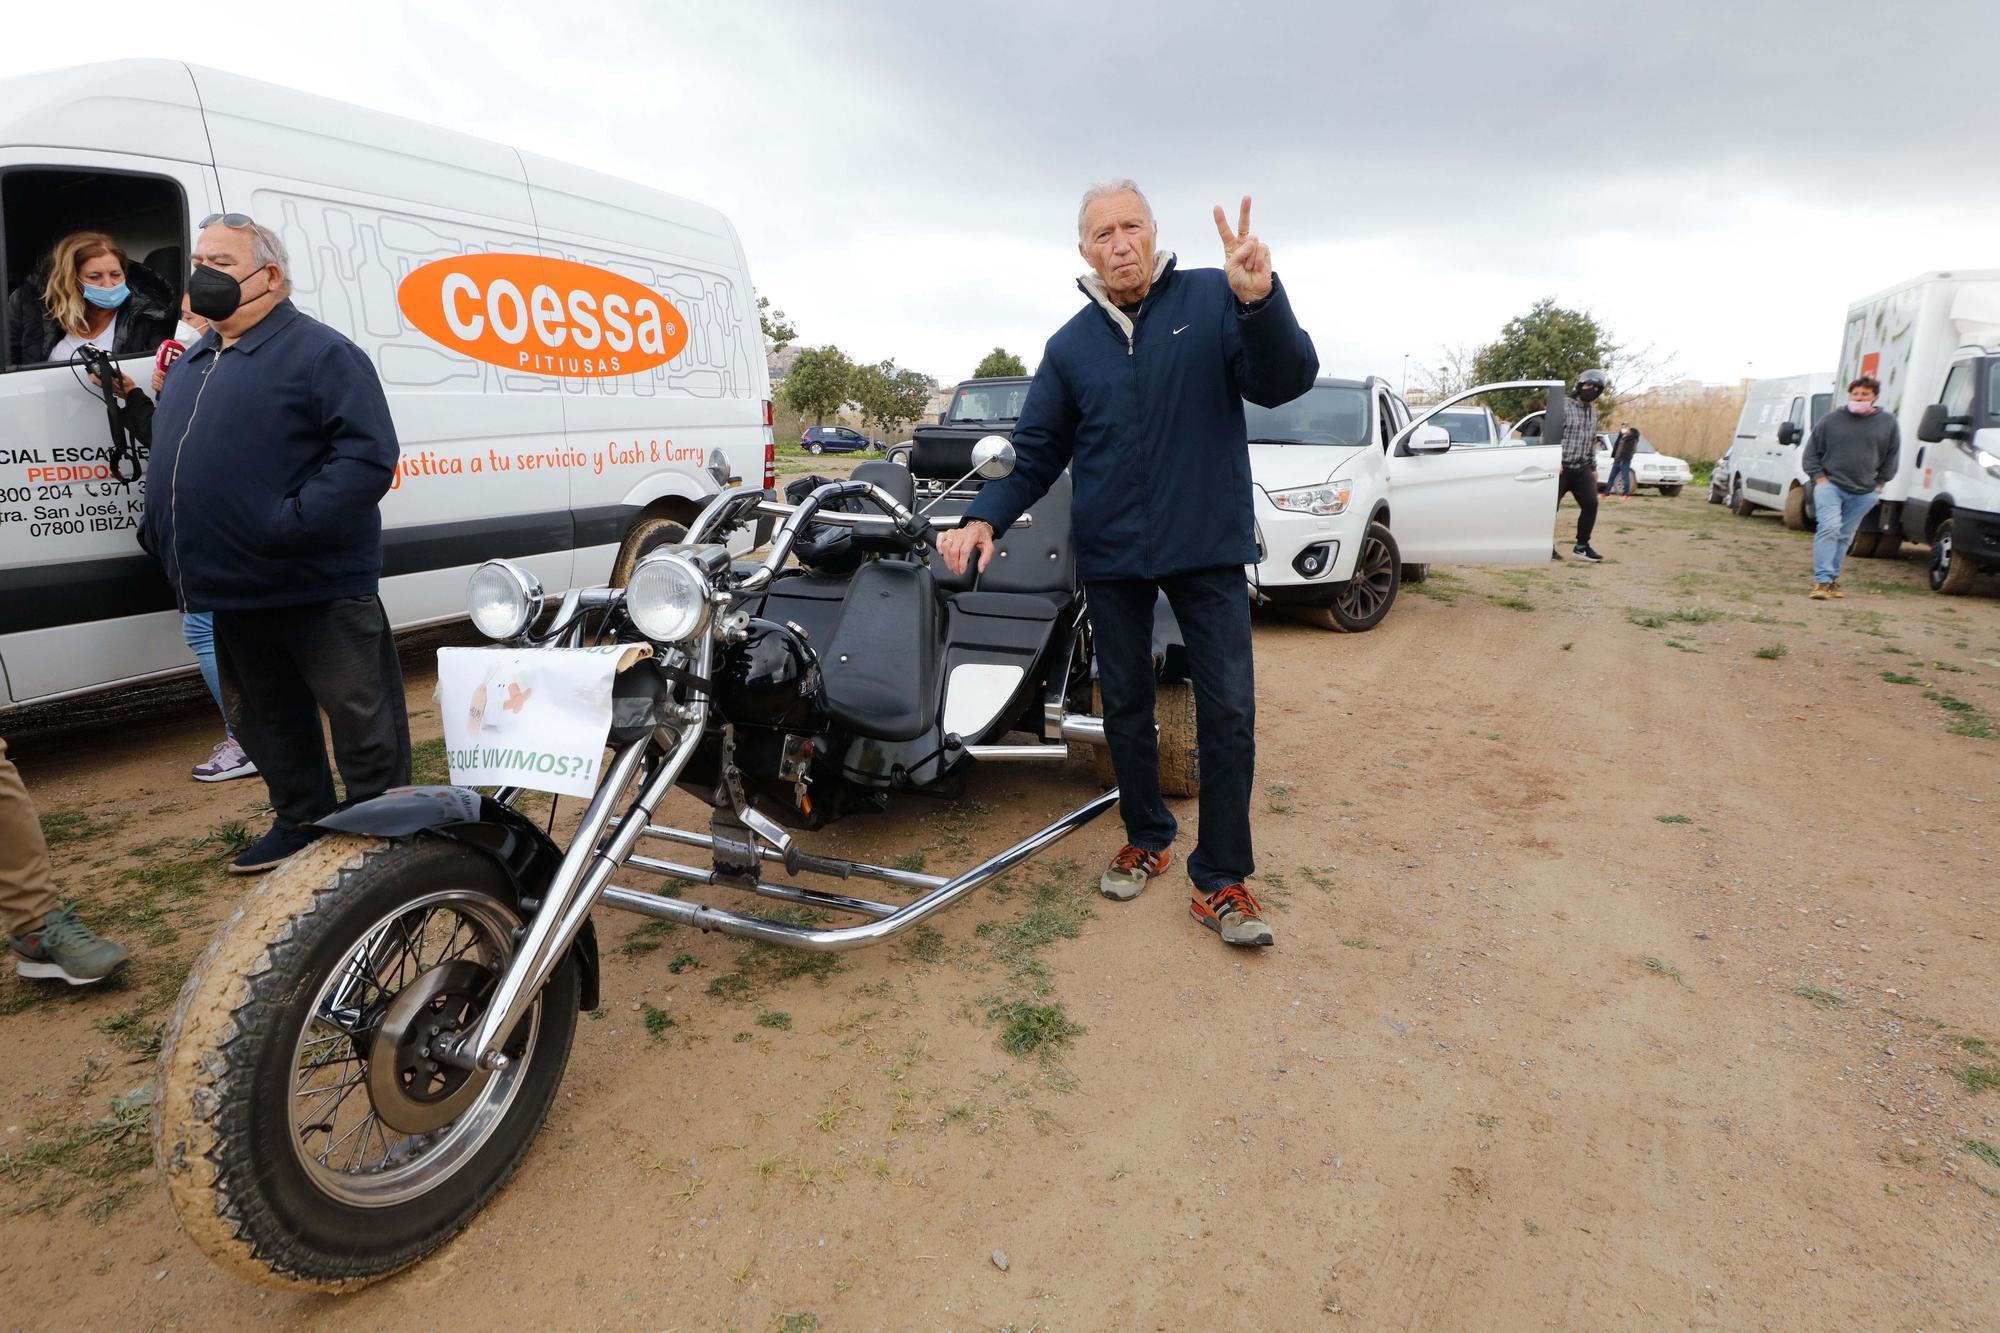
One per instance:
(1590,386)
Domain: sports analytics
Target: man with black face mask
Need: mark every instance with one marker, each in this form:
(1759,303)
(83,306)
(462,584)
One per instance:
(272,448)
(1579,460)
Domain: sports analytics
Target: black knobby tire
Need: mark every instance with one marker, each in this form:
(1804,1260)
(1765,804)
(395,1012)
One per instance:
(647,536)
(1796,517)
(1180,759)
(242,1052)
(1416,572)
(1670,491)
(1949,573)
(1863,546)
(1742,507)
(1360,603)
(1889,544)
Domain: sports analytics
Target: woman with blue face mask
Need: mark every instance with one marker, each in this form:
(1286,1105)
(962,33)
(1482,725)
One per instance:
(95,295)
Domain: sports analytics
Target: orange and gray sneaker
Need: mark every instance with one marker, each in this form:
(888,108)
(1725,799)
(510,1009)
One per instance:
(1232,913)
(1129,872)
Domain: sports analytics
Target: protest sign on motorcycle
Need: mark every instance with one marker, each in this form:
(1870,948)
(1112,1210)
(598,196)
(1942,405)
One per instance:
(529,717)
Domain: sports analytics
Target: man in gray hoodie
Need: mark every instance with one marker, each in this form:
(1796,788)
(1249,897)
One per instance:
(1852,454)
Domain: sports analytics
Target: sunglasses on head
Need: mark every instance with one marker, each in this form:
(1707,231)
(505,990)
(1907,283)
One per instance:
(236,221)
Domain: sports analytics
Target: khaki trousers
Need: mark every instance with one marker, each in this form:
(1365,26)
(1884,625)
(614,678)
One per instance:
(25,892)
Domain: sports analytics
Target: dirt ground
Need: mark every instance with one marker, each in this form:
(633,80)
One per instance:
(1636,968)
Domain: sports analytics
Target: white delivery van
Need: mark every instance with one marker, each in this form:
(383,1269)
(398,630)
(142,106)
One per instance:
(574,362)
(1934,343)
(1770,436)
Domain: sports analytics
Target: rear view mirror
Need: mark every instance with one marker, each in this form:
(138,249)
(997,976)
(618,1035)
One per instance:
(1429,439)
(1788,433)
(993,457)
(1934,426)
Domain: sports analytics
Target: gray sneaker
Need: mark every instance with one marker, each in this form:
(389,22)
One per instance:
(1130,871)
(1232,912)
(62,948)
(226,761)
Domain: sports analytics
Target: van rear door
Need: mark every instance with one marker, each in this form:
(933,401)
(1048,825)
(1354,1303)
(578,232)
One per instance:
(117,149)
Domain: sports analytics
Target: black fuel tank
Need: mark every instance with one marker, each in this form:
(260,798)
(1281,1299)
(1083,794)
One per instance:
(772,679)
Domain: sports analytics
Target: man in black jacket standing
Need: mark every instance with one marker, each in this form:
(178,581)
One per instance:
(1141,396)
(272,447)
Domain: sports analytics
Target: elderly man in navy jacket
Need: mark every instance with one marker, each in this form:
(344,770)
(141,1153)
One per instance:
(272,448)
(1141,396)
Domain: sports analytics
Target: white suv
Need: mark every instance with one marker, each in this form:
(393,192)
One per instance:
(1351,489)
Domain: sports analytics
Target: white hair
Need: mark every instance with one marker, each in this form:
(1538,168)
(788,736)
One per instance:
(267,247)
(1105,190)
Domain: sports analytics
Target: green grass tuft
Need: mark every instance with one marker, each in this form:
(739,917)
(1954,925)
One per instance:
(1898,678)
(775,1018)
(1771,652)
(1826,999)
(1033,1029)
(658,1020)
(1983,1150)
(1674,819)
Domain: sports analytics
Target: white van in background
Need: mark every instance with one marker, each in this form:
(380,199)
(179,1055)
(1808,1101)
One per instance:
(1934,343)
(574,362)
(1770,437)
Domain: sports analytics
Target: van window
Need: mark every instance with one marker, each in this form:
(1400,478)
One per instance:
(1993,393)
(1957,395)
(1822,403)
(146,215)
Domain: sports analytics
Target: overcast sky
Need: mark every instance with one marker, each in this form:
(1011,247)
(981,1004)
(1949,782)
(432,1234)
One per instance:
(1718,180)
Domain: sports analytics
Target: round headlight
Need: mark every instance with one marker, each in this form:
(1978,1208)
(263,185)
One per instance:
(667,598)
(502,598)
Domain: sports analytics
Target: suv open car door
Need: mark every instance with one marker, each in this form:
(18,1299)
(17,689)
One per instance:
(1494,505)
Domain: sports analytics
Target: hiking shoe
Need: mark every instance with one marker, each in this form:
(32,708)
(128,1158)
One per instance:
(1129,872)
(272,850)
(1834,589)
(1555,554)
(1232,913)
(226,761)
(1583,552)
(1822,591)
(62,948)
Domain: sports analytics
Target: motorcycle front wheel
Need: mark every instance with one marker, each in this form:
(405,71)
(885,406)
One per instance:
(306,1136)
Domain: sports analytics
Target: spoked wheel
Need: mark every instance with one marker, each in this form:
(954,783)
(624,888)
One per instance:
(1360,603)
(309,1132)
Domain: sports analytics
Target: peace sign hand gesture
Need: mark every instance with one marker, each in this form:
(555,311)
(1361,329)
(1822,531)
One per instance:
(1246,259)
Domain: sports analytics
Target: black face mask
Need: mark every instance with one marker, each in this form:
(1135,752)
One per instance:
(1588,392)
(214,295)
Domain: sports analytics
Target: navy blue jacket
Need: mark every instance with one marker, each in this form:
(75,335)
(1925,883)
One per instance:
(269,459)
(1151,427)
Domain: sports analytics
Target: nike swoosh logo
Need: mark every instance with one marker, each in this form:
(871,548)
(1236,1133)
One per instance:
(1178,332)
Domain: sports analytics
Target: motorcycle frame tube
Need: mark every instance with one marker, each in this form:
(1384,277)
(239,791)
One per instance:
(791,893)
(909,879)
(842,938)
(586,868)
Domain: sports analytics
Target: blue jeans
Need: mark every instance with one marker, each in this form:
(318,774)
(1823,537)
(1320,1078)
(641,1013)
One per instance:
(1620,467)
(1214,614)
(198,632)
(1840,512)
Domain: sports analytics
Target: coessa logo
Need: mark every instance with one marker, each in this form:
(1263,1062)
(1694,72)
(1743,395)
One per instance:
(543,316)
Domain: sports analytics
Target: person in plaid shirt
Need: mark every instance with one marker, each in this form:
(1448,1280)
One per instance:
(1579,461)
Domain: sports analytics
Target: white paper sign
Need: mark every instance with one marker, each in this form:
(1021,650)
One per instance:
(528,717)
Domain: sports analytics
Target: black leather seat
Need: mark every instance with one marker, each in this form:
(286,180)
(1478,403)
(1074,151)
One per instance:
(881,665)
(891,477)
(1035,559)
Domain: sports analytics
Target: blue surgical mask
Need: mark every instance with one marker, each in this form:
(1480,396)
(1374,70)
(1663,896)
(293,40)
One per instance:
(107,298)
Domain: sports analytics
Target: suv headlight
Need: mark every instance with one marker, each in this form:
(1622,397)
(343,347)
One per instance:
(667,598)
(1329,498)
(502,598)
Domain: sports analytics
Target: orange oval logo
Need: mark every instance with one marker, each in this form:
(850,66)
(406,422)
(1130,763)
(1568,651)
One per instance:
(542,316)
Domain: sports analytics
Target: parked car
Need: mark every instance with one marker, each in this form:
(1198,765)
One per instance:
(1352,490)
(838,440)
(1663,472)
(1720,479)
(1471,426)
(1770,436)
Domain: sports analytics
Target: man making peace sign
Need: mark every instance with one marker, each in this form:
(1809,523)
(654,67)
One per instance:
(1141,396)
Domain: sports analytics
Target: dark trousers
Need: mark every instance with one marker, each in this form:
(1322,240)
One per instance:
(281,667)
(1213,609)
(1620,467)
(1582,483)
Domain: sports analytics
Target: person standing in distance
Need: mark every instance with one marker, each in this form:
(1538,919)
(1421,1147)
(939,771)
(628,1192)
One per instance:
(1624,445)
(272,447)
(1141,396)
(1849,459)
(1579,460)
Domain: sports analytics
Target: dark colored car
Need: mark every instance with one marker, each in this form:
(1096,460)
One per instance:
(838,440)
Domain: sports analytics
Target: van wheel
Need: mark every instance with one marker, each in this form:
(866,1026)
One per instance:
(1889,544)
(1180,760)
(1742,506)
(1416,573)
(1948,574)
(1863,547)
(1795,510)
(647,536)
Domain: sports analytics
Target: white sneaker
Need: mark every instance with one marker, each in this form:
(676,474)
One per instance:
(225,762)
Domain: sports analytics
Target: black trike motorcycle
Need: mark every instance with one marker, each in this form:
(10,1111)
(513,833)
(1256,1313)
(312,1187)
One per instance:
(368,1047)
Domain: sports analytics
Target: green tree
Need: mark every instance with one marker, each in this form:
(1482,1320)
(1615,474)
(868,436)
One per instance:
(821,379)
(890,398)
(777,331)
(999,361)
(1547,343)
